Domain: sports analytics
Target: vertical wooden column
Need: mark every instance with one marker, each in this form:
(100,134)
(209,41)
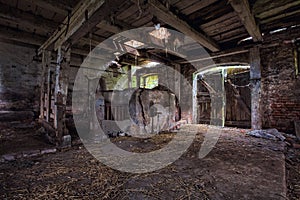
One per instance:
(46,59)
(195,99)
(61,92)
(255,79)
(177,80)
(48,92)
(129,77)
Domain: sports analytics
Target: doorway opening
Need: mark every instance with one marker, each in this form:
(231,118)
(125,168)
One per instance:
(230,85)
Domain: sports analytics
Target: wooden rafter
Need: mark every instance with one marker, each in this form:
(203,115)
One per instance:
(21,36)
(13,15)
(52,5)
(72,24)
(105,25)
(85,16)
(165,15)
(242,8)
(266,8)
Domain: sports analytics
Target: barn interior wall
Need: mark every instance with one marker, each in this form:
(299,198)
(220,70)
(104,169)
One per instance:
(280,84)
(19,83)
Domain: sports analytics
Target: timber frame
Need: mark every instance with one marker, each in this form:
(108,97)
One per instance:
(64,33)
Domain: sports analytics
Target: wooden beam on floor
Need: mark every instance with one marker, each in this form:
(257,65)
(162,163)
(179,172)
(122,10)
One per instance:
(242,8)
(165,15)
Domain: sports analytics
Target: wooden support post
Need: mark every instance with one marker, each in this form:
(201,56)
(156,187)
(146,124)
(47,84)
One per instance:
(242,9)
(177,83)
(42,86)
(138,80)
(61,92)
(255,76)
(195,99)
(129,76)
(48,94)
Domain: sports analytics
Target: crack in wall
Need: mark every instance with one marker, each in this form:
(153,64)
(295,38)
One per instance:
(142,109)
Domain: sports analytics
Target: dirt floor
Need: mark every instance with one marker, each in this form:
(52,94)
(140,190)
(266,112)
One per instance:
(239,167)
(293,173)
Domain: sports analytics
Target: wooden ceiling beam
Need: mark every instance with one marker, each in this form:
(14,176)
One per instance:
(53,5)
(85,16)
(12,34)
(72,24)
(105,25)
(272,8)
(25,19)
(242,8)
(168,17)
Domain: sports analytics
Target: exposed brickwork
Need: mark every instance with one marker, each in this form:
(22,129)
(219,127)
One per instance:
(280,88)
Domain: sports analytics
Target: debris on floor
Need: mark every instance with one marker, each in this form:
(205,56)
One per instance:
(238,167)
(271,134)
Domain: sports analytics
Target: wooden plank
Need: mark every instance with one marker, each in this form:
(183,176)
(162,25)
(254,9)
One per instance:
(277,10)
(59,7)
(242,8)
(15,16)
(278,17)
(223,28)
(171,19)
(197,6)
(105,25)
(126,13)
(265,5)
(84,17)
(184,4)
(21,36)
(237,31)
(219,20)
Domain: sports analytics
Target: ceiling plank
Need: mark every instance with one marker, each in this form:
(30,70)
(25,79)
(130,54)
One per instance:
(52,5)
(272,10)
(242,8)
(15,16)
(85,16)
(72,24)
(105,25)
(21,36)
(165,15)
(280,17)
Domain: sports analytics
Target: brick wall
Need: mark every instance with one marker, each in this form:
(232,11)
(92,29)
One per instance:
(280,86)
(19,83)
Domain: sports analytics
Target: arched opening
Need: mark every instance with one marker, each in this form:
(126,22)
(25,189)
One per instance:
(223,94)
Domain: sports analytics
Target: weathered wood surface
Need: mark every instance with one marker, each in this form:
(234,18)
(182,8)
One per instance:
(242,8)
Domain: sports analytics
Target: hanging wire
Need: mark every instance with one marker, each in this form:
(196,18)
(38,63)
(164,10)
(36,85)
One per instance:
(239,86)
